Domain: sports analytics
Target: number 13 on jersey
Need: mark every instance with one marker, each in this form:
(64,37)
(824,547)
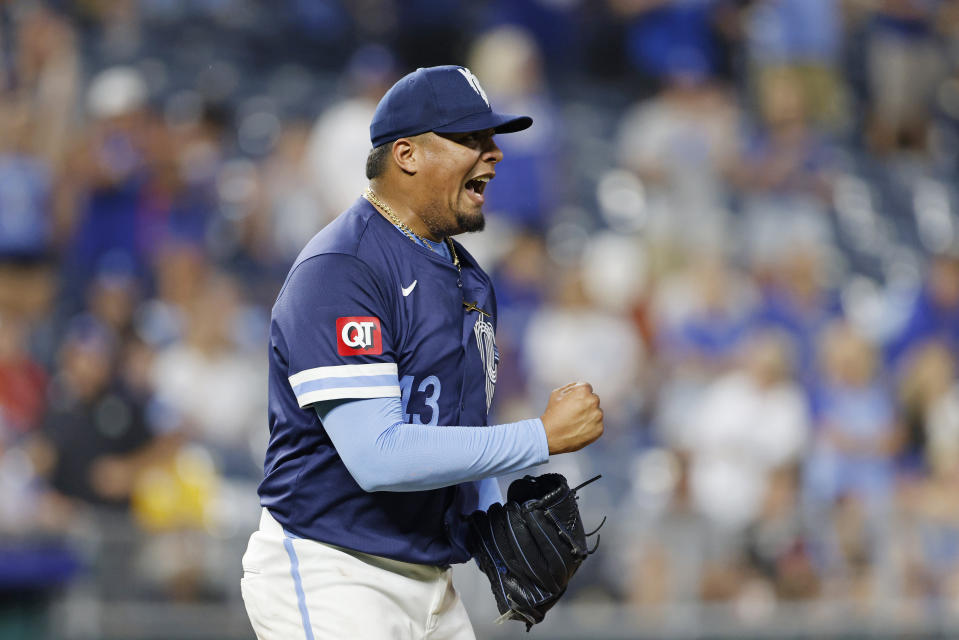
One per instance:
(431,388)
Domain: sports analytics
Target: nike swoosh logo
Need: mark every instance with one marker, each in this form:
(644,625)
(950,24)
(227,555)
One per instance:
(408,290)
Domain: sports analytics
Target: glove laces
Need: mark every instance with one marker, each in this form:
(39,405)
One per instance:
(590,552)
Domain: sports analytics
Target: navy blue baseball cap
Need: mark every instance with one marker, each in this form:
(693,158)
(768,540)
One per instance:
(446,99)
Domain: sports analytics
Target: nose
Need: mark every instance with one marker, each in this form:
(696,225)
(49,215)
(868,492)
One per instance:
(491,152)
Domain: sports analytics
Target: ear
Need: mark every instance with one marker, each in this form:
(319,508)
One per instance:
(406,154)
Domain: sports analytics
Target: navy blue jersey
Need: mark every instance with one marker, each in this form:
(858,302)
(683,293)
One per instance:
(366,313)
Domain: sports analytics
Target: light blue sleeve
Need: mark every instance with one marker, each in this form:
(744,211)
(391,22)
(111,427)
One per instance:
(489,493)
(384,453)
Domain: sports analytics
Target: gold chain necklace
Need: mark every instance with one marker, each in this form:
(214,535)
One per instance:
(412,235)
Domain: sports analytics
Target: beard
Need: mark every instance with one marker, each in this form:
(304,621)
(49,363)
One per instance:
(437,220)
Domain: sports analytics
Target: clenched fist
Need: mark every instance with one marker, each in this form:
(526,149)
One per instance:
(572,418)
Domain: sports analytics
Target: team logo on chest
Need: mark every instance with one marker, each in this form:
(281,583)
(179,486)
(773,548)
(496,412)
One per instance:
(486,343)
(358,335)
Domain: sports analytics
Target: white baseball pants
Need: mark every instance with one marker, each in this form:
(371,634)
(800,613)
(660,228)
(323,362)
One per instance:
(295,588)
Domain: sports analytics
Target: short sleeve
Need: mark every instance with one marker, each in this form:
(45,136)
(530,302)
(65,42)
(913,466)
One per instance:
(333,327)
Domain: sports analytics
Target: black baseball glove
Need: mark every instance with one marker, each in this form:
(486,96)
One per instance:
(530,547)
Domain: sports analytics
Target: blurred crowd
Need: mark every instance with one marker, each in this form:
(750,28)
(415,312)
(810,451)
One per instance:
(736,218)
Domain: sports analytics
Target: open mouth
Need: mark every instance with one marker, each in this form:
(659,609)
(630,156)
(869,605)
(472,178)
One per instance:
(477,185)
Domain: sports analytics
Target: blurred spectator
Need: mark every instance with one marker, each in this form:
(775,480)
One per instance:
(803,36)
(679,143)
(211,384)
(929,400)
(336,151)
(776,543)
(143,183)
(43,80)
(298,183)
(23,381)
(99,434)
(113,298)
(701,317)
(111,173)
(930,396)
(555,29)
(749,423)
(904,65)
(23,387)
(26,191)
(931,547)
(183,157)
(179,504)
(784,189)
(27,194)
(599,345)
(179,272)
(35,561)
(660,32)
(526,191)
(934,314)
(857,436)
(786,157)
(24,505)
(853,552)
(798,299)
(704,314)
(520,280)
(240,238)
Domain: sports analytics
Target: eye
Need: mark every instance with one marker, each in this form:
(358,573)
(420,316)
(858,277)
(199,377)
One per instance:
(474,138)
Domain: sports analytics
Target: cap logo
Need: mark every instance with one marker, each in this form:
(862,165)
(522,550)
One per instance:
(474,83)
